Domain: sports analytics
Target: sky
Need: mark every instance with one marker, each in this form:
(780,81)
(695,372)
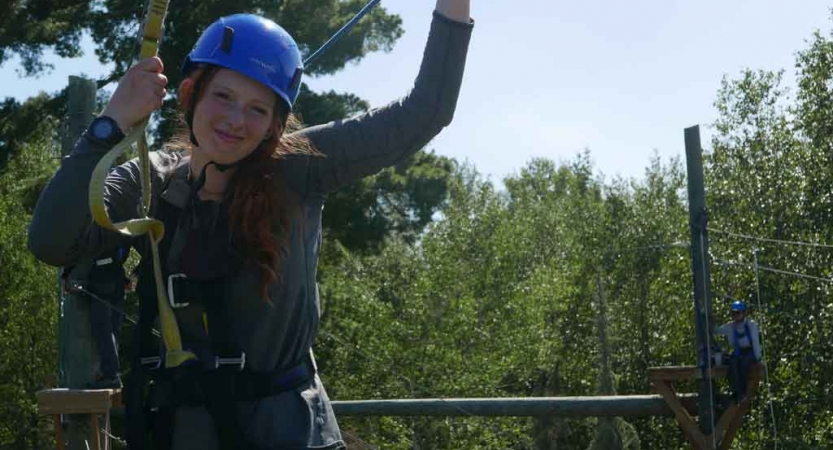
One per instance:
(550,78)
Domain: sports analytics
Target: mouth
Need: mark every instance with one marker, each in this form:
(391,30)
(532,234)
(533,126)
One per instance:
(227,137)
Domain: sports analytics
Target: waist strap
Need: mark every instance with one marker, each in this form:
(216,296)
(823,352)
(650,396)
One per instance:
(194,386)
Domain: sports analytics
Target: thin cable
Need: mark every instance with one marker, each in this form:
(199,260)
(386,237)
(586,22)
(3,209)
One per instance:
(763,353)
(359,440)
(677,244)
(110,436)
(774,241)
(773,270)
(344,30)
(73,288)
(707,338)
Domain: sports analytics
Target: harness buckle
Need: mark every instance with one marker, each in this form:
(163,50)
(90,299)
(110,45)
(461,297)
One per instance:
(154,361)
(239,361)
(172,292)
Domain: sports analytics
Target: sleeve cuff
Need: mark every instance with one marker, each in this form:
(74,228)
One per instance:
(452,22)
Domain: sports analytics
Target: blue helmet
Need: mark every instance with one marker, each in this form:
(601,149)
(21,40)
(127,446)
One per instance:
(254,46)
(738,305)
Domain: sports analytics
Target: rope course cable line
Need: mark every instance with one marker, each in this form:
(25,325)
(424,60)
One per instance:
(772,270)
(763,353)
(770,240)
(756,268)
(76,288)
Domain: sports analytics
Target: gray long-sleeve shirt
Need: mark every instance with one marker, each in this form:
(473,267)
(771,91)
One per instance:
(278,334)
(742,335)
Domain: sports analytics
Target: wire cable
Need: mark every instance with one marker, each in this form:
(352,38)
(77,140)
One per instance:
(77,288)
(774,270)
(763,353)
(344,30)
(770,240)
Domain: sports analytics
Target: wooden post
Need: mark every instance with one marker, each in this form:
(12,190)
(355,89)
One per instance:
(662,381)
(698,221)
(77,353)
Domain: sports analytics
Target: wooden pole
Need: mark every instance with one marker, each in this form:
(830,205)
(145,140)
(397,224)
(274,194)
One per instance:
(600,406)
(698,220)
(77,353)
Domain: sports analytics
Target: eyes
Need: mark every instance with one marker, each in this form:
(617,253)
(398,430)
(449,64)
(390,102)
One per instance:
(226,99)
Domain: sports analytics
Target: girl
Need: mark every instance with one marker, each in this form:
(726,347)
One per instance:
(241,197)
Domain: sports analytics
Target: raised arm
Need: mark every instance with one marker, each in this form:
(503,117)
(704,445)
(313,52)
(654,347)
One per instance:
(457,10)
(365,144)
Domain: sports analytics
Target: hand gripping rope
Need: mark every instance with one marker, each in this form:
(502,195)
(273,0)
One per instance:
(152,34)
(155,230)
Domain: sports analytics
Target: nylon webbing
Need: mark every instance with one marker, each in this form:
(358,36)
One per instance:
(153,228)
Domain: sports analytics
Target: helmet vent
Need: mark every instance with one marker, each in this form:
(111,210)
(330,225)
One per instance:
(228,36)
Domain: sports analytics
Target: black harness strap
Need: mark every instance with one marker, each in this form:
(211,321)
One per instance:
(226,380)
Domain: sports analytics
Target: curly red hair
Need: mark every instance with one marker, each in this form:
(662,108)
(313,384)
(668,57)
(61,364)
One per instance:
(259,213)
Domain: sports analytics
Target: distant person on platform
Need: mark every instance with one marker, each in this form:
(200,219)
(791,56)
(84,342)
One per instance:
(744,338)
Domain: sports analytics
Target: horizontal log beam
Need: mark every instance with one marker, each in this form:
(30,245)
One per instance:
(601,406)
(682,373)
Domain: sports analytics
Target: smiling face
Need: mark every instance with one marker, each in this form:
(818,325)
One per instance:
(232,117)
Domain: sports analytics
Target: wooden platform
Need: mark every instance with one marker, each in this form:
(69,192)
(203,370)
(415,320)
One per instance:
(95,403)
(662,379)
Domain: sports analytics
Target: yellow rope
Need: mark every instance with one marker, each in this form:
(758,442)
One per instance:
(155,230)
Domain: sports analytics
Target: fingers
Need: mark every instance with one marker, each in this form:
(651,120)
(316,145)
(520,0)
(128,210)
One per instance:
(153,64)
(140,92)
(148,84)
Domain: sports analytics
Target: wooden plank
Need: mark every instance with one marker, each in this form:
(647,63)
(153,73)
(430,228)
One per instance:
(725,421)
(682,373)
(96,431)
(74,401)
(59,432)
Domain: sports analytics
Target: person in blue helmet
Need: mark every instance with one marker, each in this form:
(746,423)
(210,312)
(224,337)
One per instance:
(240,193)
(744,338)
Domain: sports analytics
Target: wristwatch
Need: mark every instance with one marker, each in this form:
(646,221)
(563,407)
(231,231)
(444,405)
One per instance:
(105,131)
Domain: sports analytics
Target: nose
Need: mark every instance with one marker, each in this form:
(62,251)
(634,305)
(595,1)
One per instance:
(235,116)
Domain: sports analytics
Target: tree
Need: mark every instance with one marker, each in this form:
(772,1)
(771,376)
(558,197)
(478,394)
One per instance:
(28,309)
(27,28)
(22,122)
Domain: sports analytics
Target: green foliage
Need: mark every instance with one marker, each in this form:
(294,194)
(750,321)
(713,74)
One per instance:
(399,201)
(770,176)
(30,27)
(435,284)
(495,301)
(20,123)
(28,309)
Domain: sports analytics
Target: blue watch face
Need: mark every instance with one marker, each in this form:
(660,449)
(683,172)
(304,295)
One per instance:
(103,129)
